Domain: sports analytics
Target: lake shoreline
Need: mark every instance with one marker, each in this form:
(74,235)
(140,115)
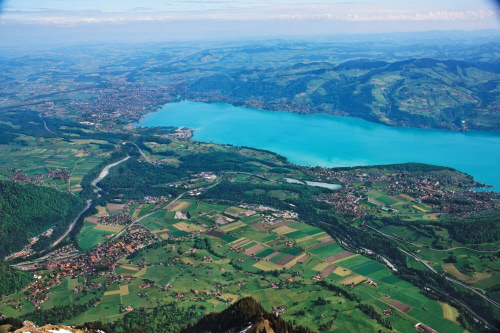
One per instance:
(336,114)
(340,114)
(332,141)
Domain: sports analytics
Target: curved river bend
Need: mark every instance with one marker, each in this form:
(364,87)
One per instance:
(332,141)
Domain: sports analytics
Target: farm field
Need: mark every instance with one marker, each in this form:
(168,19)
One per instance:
(345,268)
(249,262)
(93,234)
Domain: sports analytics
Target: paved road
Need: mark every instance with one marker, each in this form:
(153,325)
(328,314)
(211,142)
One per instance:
(140,150)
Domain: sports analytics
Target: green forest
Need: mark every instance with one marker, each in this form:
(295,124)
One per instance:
(28,210)
(238,316)
(13,279)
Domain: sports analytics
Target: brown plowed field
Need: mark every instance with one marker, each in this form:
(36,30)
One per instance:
(260,227)
(92,220)
(338,256)
(284,260)
(282,224)
(217,234)
(328,270)
(328,240)
(304,258)
(272,255)
(254,249)
(400,306)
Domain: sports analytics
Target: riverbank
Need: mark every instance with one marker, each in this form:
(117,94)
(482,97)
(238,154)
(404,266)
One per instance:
(102,175)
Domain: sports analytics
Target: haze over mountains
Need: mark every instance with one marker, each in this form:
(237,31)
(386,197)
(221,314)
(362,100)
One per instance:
(394,82)
(147,184)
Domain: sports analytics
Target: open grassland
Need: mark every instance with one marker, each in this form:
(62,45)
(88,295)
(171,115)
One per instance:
(91,235)
(110,228)
(326,251)
(232,226)
(381,197)
(183,226)
(449,312)
(284,230)
(266,266)
(146,209)
(178,206)
(451,269)
(234,210)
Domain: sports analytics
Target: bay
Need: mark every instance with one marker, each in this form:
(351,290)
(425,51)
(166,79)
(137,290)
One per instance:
(332,141)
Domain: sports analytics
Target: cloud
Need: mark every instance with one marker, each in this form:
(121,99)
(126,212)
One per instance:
(224,10)
(429,16)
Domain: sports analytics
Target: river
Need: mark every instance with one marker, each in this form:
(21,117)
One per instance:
(332,141)
(103,174)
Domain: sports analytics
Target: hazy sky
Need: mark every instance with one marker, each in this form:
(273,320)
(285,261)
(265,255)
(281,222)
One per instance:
(154,20)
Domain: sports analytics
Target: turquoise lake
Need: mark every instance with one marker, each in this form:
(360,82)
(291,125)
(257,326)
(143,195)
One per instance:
(332,141)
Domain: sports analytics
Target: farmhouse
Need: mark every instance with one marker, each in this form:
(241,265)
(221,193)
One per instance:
(423,328)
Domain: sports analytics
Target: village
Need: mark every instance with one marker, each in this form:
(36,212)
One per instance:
(442,193)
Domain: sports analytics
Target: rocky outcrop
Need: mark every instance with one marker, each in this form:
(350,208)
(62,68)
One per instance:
(29,327)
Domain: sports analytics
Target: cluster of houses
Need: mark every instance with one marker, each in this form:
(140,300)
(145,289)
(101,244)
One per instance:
(116,219)
(420,186)
(19,176)
(113,103)
(100,261)
(278,310)
(27,250)
(388,312)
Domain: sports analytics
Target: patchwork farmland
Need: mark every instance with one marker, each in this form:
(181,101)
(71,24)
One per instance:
(287,263)
(302,252)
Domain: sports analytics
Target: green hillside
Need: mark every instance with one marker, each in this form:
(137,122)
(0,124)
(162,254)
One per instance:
(28,210)
(423,92)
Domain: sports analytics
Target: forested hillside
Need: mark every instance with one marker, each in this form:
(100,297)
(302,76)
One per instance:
(239,316)
(417,92)
(13,279)
(28,210)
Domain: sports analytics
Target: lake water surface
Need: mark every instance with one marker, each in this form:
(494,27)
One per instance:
(332,141)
